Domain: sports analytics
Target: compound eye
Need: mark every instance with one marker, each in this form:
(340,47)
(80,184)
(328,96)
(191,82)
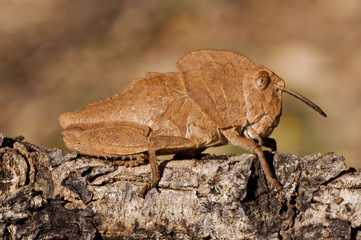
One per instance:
(262,80)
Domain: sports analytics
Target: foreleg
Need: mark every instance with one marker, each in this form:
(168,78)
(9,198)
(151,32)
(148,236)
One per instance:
(250,145)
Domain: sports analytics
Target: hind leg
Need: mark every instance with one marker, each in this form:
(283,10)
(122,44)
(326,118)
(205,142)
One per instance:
(133,160)
(113,140)
(107,139)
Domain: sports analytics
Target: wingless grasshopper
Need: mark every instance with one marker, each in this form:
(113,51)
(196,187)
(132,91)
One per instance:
(216,97)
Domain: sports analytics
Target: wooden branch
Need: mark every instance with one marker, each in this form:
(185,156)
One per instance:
(50,194)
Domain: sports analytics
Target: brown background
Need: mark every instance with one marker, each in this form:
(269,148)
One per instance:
(56,56)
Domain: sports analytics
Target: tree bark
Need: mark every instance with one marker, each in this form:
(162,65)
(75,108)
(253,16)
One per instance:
(50,194)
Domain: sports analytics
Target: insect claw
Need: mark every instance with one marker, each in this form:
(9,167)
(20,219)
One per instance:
(152,183)
(274,184)
(142,192)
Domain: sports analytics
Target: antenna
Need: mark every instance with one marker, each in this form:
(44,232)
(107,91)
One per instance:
(303,99)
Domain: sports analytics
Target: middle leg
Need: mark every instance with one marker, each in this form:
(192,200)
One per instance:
(162,143)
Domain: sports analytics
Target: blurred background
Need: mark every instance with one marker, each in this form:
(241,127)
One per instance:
(56,56)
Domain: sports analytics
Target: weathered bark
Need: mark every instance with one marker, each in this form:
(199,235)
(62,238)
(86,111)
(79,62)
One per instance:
(50,194)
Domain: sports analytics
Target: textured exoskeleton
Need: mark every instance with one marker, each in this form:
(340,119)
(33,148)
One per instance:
(216,97)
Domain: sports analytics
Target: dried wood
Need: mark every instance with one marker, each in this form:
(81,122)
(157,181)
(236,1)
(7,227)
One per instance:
(50,194)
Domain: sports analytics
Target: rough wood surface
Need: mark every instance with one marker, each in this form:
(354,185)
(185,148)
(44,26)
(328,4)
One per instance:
(49,194)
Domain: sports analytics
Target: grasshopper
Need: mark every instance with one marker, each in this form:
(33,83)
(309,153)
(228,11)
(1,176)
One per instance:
(216,97)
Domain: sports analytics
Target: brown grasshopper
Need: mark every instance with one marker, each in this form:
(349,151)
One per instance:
(216,97)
